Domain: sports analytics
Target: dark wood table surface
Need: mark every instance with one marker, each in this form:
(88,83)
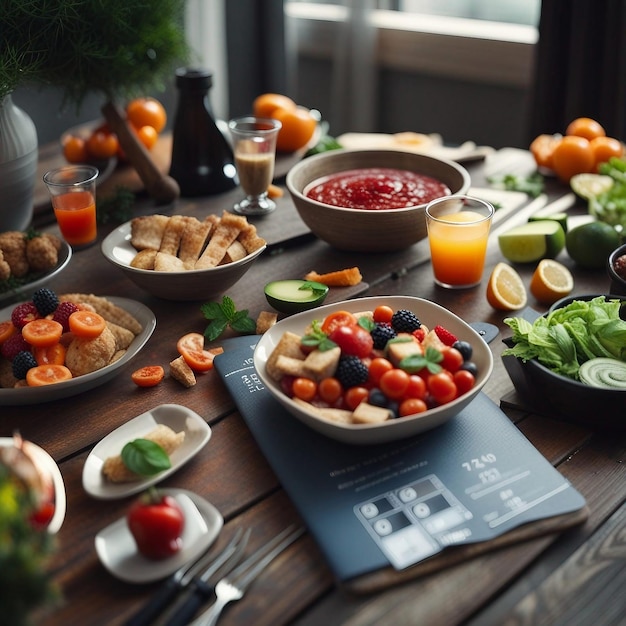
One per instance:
(577,576)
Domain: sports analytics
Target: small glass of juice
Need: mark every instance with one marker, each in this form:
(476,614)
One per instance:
(254,147)
(458,229)
(73,194)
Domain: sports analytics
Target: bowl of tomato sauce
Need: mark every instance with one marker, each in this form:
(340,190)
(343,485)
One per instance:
(371,200)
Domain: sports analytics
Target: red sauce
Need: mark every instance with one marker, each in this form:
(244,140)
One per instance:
(376,189)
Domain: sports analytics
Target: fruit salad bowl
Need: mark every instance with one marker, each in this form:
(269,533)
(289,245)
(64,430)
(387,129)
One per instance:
(363,230)
(394,429)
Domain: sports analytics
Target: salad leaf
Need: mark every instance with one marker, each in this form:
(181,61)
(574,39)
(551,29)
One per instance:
(145,457)
(610,206)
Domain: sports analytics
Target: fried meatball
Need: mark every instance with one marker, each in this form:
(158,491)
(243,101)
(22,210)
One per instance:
(41,254)
(88,355)
(13,246)
(5,268)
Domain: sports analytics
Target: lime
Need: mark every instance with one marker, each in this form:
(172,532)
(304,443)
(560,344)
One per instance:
(590,244)
(532,241)
(589,186)
(293,296)
(561,218)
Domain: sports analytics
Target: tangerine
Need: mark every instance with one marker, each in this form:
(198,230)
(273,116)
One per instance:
(266,104)
(74,149)
(573,155)
(604,148)
(585,127)
(542,149)
(146,111)
(298,127)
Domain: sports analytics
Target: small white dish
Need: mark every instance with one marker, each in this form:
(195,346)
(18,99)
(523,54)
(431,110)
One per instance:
(74,386)
(118,552)
(177,417)
(46,463)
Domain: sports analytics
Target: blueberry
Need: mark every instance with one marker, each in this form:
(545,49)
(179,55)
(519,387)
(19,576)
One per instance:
(465,348)
(470,366)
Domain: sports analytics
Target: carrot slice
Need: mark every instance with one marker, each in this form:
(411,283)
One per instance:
(47,375)
(50,355)
(6,330)
(148,376)
(42,332)
(88,324)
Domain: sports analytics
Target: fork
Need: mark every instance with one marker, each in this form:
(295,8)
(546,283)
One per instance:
(234,585)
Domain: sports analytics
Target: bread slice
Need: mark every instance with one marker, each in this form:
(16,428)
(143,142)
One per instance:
(226,232)
(146,232)
(193,240)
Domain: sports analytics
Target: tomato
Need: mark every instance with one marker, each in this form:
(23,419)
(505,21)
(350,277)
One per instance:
(146,112)
(148,136)
(190,341)
(47,375)
(42,332)
(416,388)
(87,324)
(298,126)
(452,359)
(383,314)
(573,155)
(75,149)
(148,376)
(338,318)
(353,340)
(330,390)
(102,144)
(394,383)
(464,381)
(156,523)
(48,355)
(41,518)
(354,396)
(191,348)
(304,388)
(604,148)
(542,149)
(377,368)
(266,104)
(411,406)
(585,127)
(442,388)
(7,329)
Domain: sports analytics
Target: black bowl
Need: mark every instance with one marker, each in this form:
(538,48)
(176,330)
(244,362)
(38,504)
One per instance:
(563,398)
(618,283)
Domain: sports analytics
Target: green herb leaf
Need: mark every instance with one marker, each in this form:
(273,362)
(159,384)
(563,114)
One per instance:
(317,338)
(532,185)
(116,208)
(145,457)
(367,323)
(316,288)
(429,360)
(225,314)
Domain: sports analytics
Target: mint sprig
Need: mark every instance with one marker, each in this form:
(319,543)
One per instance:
(429,360)
(145,457)
(225,314)
(317,338)
(317,288)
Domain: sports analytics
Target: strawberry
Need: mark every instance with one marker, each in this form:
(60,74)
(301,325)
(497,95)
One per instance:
(24,313)
(445,335)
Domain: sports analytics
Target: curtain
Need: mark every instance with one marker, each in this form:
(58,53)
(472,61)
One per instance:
(580,66)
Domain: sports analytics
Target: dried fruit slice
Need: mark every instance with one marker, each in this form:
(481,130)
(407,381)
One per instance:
(47,375)
(42,332)
(551,281)
(148,376)
(86,324)
(505,289)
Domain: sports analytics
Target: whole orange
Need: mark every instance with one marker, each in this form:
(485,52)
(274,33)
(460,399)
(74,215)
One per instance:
(147,135)
(266,104)
(74,149)
(146,112)
(542,149)
(297,130)
(585,127)
(572,155)
(102,144)
(604,148)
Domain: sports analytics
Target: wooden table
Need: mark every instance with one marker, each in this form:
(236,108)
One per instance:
(577,576)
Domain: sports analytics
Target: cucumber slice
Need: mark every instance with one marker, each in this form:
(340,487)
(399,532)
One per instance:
(603,372)
(293,295)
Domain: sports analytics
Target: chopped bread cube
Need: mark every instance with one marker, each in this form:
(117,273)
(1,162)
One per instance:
(265,321)
(289,366)
(166,262)
(339,416)
(146,232)
(234,252)
(180,371)
(432,340)
(320,364)
(288,345)
(404,345)
(366,413)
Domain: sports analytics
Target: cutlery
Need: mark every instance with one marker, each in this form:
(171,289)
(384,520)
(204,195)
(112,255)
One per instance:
(234,585)
(180,580)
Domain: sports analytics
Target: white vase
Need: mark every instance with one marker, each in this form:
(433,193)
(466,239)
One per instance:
(18,166)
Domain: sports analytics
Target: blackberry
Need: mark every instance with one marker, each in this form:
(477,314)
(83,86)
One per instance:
(405,321)
(62,314)
(46,301)
(381,334)
(351,372)
(22,362)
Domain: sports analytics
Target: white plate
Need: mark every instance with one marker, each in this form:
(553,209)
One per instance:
(429,314)
(47,463)
(74,386)
(177,417)
(118,552)
(23,291)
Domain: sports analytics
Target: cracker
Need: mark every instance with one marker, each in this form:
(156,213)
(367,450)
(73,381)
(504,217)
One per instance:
(173,234)
(225,233)
(193,240)
(147,231)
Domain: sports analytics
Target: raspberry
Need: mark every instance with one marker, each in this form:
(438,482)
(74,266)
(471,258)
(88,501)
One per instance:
(381,334)
(351,372)
(46,301)
(419,334)
(24,313)
(445,335)
(14,345)
(62,314)
(405,321)
(22,362)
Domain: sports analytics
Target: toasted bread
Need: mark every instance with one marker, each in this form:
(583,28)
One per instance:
(341,278)
(225,233)
(193,240)
(144,259)
(147,231)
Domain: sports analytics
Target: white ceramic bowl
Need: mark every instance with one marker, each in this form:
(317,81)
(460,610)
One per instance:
(185,285)
(363,230)
(429,314)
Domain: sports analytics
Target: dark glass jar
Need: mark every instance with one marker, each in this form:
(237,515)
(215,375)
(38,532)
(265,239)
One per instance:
(202,159)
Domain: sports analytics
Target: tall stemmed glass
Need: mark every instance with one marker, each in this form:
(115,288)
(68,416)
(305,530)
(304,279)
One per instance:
(254,147)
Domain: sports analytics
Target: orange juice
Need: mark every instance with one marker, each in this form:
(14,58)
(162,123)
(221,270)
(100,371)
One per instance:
(458,244)
(76,215)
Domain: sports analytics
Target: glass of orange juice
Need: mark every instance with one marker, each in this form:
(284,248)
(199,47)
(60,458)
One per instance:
(73,194)
(458,229)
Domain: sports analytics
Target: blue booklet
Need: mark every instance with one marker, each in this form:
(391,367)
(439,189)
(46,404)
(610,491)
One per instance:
(470,480)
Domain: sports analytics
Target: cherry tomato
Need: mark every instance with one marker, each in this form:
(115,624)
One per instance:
(191,348)
(442,388)
(148,376)
(353,340)
(354,396)
(330,390)
(416,388)
(156,523)
(394,383)
(377,368)
(336,319)
(411,406)
(42,517)
(452,359)
(464,381)
(304,388)
(383,314)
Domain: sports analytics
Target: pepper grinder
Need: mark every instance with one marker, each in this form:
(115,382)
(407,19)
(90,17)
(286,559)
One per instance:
(202,159)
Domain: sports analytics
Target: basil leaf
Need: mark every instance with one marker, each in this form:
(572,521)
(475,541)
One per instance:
(145,457)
